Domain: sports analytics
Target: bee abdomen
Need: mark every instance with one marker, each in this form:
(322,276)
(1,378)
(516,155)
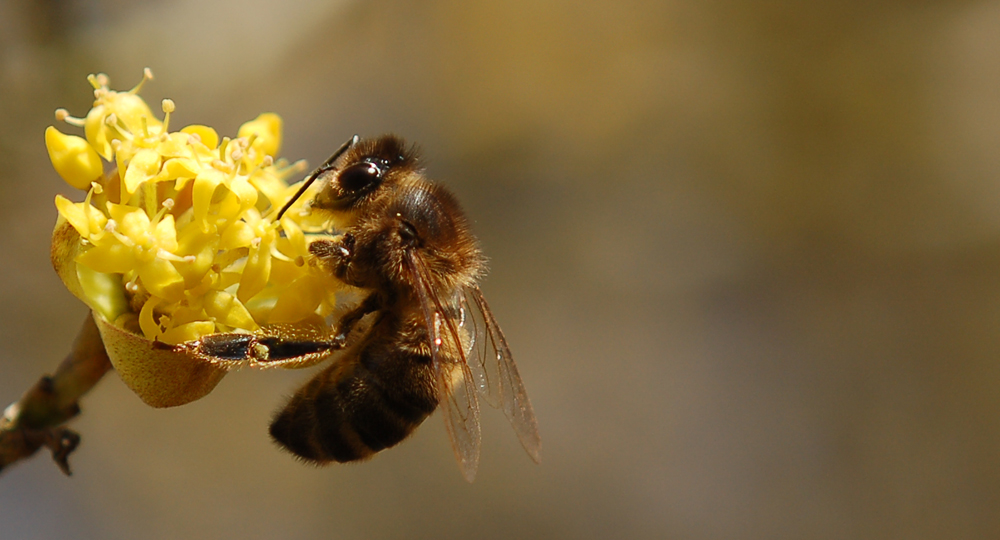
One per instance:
(351,418)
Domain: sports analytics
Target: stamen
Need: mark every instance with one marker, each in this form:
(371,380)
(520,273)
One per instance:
(149,198)
(277,254)
(168,205)
(97,82)
(264,163)
(88,208)
(167,256)
(147,75)
(62,115)
(298,167)
(222,147)
(168,107)
(220,165)
(118,125)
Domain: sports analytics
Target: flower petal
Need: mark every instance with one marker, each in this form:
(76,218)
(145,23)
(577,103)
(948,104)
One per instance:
(161,279)
(110,257)
(145,164)
(237,235)
(166,234)
(267,128)
(186,332)
(86,219)
(206,135)
(97,132)
(256,271)
(226,309)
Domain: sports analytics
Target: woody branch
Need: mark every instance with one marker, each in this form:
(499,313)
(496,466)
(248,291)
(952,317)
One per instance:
(37,419)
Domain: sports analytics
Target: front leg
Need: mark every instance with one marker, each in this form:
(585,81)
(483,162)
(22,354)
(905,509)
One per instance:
(336,255)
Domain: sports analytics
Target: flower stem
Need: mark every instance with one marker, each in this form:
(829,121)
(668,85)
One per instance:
(37,418)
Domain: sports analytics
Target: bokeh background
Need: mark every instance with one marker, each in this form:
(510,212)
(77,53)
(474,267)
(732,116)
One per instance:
(747,255)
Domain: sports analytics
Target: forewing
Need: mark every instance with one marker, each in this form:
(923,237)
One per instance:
(455,382)
(492,355)
(479,351)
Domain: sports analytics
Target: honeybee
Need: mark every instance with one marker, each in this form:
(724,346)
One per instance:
(422,338)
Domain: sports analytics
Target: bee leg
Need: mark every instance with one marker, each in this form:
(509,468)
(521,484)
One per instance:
(232,347)
(239,348)
(371,303)
(335,254)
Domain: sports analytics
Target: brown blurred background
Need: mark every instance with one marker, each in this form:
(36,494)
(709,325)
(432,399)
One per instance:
(747,255)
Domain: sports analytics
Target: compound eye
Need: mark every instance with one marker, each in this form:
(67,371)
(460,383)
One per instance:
(360,176)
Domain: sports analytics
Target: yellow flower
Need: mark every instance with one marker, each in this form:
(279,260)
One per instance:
(139,247)
(179,240)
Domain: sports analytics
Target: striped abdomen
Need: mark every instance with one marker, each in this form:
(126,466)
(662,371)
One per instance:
(366,402)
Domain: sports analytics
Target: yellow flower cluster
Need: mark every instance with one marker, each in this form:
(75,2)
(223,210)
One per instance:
(178,239)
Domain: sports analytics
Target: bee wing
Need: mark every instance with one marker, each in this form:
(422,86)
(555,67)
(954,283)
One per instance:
(455,383)
(494,370)
(477,349)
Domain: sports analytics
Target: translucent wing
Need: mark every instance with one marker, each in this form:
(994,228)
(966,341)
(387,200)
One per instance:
(455,383)
(494,370)
(478,352)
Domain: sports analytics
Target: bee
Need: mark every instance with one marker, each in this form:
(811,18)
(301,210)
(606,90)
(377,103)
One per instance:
(422,338)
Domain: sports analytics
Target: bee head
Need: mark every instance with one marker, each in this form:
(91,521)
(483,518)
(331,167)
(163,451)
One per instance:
(364,173)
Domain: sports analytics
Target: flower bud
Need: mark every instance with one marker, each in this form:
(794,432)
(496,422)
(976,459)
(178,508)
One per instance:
(73,158)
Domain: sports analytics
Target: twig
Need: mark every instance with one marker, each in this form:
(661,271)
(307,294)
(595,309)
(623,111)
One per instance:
(36,419)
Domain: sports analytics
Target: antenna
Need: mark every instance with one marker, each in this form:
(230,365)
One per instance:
(326,166)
